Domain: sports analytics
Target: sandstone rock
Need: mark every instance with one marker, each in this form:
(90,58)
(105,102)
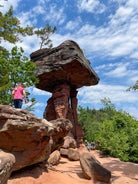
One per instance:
(64,152)
(92,168)
(64,63)
(73,154)
(62,128)
(61,71)
(69,142)
(54,158)
(63,104)
(82,147)
(7,161)
(28,138)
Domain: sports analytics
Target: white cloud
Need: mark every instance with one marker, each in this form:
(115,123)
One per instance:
(92,6)
(55,15)
(25,19)
(125,69)
(39,109)
(118,38)
(113,40)
(109,42)
(116,93)
(91,96)
(37,91)
(120,70)
(132,110)
(6,5)
(29,44)
(43,2)
(73,24)
(87,29)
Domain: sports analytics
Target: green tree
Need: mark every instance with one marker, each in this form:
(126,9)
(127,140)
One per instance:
(44,35)
(30,106)
(134,87)
(15,67)
(4,78)
(114,132)
(10,28)
(90,127)
(107,104)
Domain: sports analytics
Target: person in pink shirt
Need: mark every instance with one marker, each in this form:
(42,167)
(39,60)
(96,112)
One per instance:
(18,93)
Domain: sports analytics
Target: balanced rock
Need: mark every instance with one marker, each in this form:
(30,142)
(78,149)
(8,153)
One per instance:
(65,63)
(62,70)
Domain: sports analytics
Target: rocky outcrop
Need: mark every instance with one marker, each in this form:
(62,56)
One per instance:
(61,71)
(30,139)
(7,161)
(65,63)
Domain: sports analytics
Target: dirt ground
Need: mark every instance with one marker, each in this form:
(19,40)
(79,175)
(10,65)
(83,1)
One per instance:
(69,172)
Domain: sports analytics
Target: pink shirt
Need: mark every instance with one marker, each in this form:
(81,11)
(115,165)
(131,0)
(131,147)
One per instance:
(18,92)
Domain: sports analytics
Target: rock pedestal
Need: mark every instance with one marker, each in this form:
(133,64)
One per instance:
(61,71)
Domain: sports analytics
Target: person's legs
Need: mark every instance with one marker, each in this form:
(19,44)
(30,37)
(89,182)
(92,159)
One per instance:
(18,103)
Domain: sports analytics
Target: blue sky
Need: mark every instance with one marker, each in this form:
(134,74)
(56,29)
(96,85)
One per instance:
(106,30)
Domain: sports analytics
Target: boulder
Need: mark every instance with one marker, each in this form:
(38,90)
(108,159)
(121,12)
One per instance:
(54,158)
(92,168)
(64,152)
(30,139)
(69,142)
(60,131)
(7,161)
(73,154)
(63,64)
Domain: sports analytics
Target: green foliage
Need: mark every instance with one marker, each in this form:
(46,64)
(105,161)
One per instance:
(44,35)
(115,132)
(90,127)
(30,106)
(22,69)
(10,28)
(14,68)
(107,104)
(134,87)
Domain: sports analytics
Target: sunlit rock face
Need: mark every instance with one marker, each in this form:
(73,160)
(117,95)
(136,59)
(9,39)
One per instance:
(61,71)
(30,139)
(7,161)
(65,63)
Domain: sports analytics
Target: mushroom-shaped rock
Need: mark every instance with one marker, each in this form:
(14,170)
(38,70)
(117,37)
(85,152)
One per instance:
(64,63)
